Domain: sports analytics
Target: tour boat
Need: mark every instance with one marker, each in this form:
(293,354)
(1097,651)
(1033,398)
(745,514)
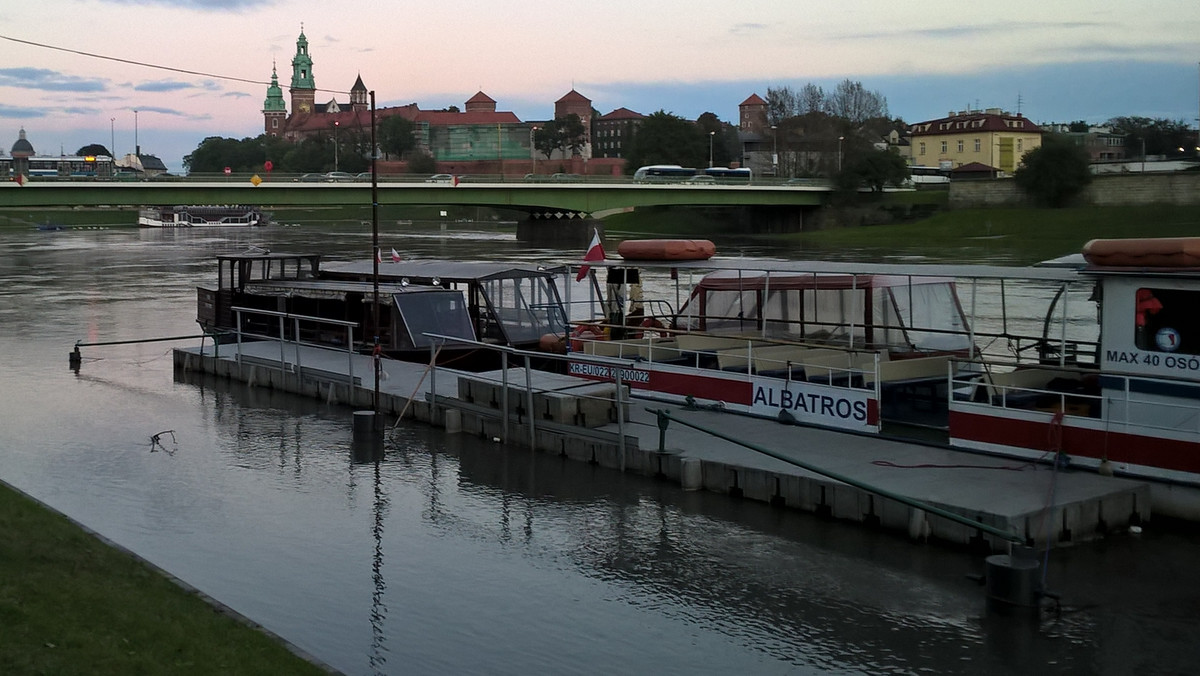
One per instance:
(420,305)
(204,216)
(1093,362)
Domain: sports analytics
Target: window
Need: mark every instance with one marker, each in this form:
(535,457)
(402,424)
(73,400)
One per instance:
(1164,321)
(944,147)
(275,123)
(978,145)
(1019,145)
(922,148)
(960,146)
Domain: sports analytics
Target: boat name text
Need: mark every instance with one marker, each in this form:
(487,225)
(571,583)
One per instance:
(811,403)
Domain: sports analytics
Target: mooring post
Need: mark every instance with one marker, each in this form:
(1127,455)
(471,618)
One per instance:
(663,421)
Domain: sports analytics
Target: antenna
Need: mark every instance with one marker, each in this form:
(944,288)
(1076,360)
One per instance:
(1018,104)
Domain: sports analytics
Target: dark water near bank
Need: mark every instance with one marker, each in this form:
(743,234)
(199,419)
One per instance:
(454,555)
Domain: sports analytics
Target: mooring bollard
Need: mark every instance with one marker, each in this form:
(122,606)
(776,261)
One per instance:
(1012,581)
(365,427)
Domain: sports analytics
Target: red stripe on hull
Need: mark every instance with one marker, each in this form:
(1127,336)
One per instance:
(1172,454)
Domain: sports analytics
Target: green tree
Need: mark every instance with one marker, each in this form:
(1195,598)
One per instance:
(560,134)
(1158,136)
(1054,172)
(396,136)
(865,166)
(93,149)
(421,162)
(664,138)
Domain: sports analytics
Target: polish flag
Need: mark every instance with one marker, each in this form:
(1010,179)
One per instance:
(595,252)
(19,179)
(454,180)
(378,256)
(395,256)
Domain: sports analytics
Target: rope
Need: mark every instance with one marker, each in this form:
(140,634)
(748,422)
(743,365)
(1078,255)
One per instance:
(420,382)
(1011,468)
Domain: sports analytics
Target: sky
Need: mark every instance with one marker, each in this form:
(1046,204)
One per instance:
(1052,60)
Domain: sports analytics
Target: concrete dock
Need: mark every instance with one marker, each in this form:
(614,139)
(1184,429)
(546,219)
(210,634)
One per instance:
(580,419)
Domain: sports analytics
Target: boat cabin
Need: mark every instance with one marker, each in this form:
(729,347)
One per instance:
(904,314)
(419,301)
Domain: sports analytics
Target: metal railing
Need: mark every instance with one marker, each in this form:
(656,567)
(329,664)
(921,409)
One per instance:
(283,318)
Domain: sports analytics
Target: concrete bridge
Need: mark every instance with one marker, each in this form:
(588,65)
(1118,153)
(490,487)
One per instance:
(554,212)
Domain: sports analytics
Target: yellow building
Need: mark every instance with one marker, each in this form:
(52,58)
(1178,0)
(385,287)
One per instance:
(992,138)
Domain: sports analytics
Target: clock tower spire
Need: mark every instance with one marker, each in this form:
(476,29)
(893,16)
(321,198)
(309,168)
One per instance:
(303,89)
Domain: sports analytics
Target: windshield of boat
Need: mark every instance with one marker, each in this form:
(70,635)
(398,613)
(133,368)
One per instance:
(442,313)
(522,309)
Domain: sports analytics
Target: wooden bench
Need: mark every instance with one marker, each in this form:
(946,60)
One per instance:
(701,349)
(1038,388)
(848,368)
(787,361)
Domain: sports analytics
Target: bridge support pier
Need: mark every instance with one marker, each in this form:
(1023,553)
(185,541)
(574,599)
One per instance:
(565,232)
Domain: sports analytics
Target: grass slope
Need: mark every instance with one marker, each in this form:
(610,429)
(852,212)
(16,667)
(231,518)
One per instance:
(70,604)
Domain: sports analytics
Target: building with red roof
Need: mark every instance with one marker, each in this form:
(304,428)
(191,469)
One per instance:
(992,138)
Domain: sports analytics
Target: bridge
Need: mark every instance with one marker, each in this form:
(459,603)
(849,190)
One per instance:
(572,207)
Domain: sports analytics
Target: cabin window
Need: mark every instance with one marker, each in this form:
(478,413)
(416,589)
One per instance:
(1165,320)
(436,312)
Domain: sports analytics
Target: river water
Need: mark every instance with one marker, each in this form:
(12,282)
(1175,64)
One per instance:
(453,555)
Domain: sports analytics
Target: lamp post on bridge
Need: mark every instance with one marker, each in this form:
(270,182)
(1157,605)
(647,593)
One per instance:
(774,152)
(711,135)
(840,138)
(533,149)
(336,124)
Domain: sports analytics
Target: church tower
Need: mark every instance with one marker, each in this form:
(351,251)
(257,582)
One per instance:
(358,95)
(303,90)
(274,108)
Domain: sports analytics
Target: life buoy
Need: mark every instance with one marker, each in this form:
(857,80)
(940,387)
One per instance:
(648,324)
(584,332)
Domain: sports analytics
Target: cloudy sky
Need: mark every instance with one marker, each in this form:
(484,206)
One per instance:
(1054,60)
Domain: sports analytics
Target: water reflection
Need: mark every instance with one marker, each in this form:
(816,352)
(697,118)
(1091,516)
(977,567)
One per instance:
(457,555)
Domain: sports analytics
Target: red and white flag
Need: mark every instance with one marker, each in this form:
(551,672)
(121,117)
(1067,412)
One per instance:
(378,256)
(395,256)
(595,252)
(454,180)
(19,179)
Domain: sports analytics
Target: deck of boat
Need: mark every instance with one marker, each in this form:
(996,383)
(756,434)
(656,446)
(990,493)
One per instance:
(1030,501)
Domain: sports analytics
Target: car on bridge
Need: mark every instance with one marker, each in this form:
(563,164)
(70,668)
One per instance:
(440,178)
(312,178)
(339,177)
(566,178)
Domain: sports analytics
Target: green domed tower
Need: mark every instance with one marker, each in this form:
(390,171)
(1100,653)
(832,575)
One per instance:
(274,108)
(303,90)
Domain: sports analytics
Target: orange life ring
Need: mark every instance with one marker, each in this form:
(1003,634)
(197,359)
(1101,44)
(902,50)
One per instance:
(584,332)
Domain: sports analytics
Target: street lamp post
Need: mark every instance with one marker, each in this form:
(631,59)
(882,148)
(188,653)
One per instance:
(840,138)
(711,135)
(112,137)
(533,149)
(336,124)
(774,152)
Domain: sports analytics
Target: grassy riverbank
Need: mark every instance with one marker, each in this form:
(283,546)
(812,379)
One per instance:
(1015,235)
(70,604)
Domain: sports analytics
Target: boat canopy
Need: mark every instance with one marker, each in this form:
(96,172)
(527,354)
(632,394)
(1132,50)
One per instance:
(896,311)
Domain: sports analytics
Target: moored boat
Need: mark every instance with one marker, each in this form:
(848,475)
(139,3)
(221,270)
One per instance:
(202,216)
(1095,365)
(421,304)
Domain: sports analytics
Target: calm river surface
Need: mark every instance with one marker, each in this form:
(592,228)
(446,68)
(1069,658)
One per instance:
(457,556)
